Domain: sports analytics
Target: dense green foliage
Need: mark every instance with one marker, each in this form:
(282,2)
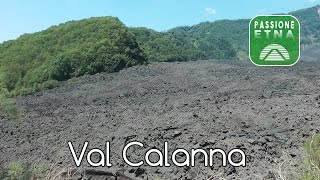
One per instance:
(225,39)
(178,45)
(202,41)
(37,61)
(234,31)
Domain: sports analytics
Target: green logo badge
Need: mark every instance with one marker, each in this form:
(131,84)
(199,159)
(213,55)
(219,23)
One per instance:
(274,40)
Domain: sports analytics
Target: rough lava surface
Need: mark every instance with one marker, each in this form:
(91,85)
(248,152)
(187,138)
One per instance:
(267,112)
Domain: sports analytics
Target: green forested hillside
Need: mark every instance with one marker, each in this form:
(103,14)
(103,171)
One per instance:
(203,41)
(234,31)
(37,61)
(179,45)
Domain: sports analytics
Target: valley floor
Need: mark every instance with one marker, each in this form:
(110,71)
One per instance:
(267,112)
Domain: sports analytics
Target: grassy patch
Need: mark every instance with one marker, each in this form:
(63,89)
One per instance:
(8,105)
(312,147)
(18,171)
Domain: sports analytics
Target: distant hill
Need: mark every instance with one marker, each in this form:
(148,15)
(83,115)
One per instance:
(36,61)
(234,31)
(178,45)
(310,24)
(208,40)
(203,39)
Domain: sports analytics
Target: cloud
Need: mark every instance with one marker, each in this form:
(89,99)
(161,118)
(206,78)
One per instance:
(210,11)
(312,1)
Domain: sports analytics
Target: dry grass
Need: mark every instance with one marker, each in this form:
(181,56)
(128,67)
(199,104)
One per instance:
(40,171)
(312,147)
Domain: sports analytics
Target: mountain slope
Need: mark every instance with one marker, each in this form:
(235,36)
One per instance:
(178,45)
(36,61)
(310,24)
(233,32)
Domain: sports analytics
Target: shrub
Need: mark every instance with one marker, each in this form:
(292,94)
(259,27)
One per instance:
(18,171)
(8,105)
